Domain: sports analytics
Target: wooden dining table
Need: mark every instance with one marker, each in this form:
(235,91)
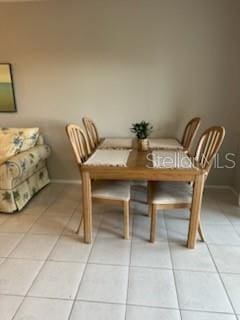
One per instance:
(139,167)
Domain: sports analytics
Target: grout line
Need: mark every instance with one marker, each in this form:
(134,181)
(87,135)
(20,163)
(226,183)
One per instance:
(25,295)
(118,265)
(132,241)
(84,271)
(220,277)
(180,309)
(128,304)
(172,262)
(101,302)
(28,233)
(130,259)
(43,264)
(15,246)
(225,215)
(38,297)
(229,220)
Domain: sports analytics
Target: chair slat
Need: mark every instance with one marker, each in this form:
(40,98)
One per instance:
(92,132)
(208,146)
(190,132)
(79,142)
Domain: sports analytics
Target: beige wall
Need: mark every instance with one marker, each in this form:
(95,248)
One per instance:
(237,176)
(236,77)
(119,62)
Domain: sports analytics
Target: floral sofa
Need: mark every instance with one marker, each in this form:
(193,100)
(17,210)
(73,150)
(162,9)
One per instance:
(23,170)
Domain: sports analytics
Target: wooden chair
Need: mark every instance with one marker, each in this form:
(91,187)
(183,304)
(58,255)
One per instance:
(92,132)
(190,133)
(175,195)
(175,144)
(114,192)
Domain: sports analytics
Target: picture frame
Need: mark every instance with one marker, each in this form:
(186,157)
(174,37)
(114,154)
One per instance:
(7,93)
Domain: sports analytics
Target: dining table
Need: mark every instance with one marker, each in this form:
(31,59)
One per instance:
(139,165)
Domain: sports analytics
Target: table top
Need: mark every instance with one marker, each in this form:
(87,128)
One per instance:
(139,166)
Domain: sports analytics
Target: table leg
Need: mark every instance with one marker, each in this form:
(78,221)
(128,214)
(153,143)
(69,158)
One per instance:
(195,212)
(87,206)
(149,197)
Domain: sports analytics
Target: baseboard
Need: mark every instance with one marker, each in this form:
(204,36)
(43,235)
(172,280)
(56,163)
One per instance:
(235,192)
(66,181)
(226,187)
(207,186)
(217,186)
(222,187)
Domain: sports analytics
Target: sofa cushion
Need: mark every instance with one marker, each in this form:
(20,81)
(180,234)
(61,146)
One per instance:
(20,166)
(16,140)
(172,193)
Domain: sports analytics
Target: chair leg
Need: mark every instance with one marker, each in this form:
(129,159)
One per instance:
(153,210)
(80,224)
(126,210)
(201,233)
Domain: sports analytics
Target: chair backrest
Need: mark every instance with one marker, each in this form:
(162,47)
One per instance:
(208,146)
(190,132)
(79,142)
(92,132)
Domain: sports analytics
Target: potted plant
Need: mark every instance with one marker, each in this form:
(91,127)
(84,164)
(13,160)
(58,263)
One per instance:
(142,130)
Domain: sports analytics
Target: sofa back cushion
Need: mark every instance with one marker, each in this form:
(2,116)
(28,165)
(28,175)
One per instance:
(16,140)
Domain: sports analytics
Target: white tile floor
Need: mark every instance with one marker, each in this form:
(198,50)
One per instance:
(47,272)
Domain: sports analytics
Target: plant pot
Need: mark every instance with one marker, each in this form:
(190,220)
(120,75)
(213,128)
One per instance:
(143,144)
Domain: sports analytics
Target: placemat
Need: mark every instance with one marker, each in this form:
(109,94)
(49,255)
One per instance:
(116,143)
(117,158)
(161,143)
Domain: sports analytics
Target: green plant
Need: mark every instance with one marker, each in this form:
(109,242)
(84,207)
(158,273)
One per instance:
(142,129)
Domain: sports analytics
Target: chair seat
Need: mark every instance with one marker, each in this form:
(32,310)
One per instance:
(113,190)
(172,193)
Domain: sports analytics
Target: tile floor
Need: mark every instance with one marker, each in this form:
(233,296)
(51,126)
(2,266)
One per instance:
(47,272)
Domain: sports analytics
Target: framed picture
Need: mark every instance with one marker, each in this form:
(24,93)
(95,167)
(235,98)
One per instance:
(7,97)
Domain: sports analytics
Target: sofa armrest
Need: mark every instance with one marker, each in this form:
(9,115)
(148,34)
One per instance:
(40,140)
(24,161)
(8,171)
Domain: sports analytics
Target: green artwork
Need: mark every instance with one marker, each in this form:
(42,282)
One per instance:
(7,99)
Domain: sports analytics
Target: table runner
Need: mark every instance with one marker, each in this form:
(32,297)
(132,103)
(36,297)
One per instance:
(171,159)
(117,158)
